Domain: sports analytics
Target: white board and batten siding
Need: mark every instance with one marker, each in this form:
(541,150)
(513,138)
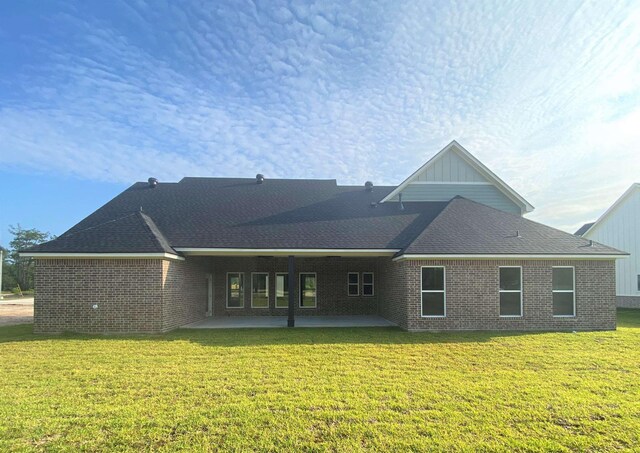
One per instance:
(454,172)
(619,227)
(481,193)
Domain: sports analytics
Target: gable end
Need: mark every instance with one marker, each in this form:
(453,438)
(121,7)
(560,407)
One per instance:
(455,172)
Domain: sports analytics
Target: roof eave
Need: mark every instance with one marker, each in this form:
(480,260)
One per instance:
(101,255)
(466,256)
(230,251)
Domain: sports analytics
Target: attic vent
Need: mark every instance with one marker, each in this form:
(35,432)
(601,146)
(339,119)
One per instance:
(259,178)
(153,182)
(368,186)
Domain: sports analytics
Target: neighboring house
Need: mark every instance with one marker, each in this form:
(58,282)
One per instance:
(447,249)
(619,227)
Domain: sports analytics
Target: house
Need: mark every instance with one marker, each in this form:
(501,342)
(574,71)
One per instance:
(447,249)
(619,227)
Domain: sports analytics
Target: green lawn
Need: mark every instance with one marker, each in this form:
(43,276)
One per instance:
(322,389)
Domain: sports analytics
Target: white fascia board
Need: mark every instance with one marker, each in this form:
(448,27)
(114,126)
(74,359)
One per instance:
(506,257)
(466,155)
(612,208)
(285,252)
(54,255)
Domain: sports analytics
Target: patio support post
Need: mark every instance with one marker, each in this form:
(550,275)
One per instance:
(292,285)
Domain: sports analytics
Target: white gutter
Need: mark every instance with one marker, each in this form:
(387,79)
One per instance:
(56,255)
(285,252)
(507,257)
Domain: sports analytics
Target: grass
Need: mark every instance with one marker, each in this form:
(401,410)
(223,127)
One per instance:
(322,389)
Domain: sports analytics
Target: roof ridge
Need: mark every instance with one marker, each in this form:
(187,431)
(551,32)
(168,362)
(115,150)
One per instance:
(518,216)
(433,224)
(67,234)
(155,232)
(428,226)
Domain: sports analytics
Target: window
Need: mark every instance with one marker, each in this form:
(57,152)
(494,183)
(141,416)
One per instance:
(259,290)
(308,290)
(367,283)
(353,284)
(235,290)
(511,291)
(282,290)
(564,295)
(638,282)
(434,302)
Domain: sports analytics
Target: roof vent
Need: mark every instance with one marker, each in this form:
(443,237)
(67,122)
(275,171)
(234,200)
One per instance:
(373,204)
(590,243)
(400,200)
(259,178)
(368,186)
(153,182)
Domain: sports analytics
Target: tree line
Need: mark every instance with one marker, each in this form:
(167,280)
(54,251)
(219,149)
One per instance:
(18,271)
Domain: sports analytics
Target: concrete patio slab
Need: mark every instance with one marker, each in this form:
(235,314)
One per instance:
(252,322)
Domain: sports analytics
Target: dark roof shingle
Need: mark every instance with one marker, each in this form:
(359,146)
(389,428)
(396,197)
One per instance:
(467,227)
(305,214)
(584,228)
(132,231)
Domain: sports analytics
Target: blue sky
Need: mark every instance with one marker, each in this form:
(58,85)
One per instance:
(95,95)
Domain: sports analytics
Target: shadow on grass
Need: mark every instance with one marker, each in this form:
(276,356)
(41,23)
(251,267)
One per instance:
(274,337)
(627,318)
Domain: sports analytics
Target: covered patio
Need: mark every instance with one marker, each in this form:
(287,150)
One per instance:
(252,322)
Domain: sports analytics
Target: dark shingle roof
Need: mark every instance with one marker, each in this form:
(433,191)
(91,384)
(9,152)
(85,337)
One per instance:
(467,227)
(238,213)
(308,214)
(583,229)
(127,232)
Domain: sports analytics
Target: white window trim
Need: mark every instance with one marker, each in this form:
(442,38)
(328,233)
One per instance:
(521,291)
(276,290)
(315,299)
(373,286)
(268,298)
(443,290)
(349,284)
(227,289)
(564,291)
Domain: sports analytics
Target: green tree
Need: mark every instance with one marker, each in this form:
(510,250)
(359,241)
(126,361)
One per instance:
(8,277)
(22,266)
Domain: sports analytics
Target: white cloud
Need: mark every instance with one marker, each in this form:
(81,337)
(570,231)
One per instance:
(546,96)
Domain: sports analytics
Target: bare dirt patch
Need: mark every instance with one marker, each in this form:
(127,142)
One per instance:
(15,314)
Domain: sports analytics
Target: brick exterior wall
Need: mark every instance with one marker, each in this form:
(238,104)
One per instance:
(392,290)
(132,295)
(472,296)
(128,295)
(628,301)
(185,291)
(150,295)
(331,281)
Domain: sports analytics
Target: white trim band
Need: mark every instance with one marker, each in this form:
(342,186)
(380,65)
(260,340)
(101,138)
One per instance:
(286,252)
(507,257)
(55,255)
